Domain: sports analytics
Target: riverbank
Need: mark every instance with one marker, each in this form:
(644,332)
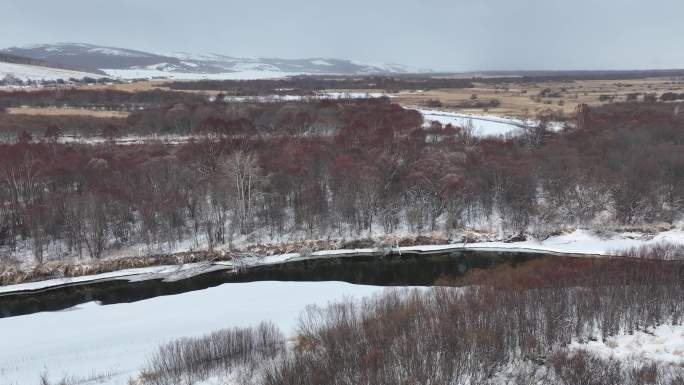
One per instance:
(182,265)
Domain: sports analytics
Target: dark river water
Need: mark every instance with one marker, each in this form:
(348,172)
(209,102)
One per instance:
(407,269)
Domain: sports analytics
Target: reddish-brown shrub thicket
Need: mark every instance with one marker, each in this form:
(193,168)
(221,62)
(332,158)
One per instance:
(332,167)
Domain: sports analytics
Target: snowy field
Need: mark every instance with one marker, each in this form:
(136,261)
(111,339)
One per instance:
(30,72)
(89,340)
(298,98)
(155,73)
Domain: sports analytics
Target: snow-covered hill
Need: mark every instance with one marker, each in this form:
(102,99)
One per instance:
(128,63)
(32,72)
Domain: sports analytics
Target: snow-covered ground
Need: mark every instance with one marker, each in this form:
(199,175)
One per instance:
(483,125)
(31,72)
(664,344)
(581,242)
(131,139)
(587,242)
(90,340)
(317,96)
(239,75)
(165,272)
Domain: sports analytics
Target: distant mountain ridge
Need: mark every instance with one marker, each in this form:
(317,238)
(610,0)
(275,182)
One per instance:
(16,59)
(104,58)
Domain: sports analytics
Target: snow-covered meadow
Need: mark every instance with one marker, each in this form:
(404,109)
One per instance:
(152,73)
(322,95)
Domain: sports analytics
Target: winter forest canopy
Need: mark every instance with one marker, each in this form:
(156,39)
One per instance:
(319,169)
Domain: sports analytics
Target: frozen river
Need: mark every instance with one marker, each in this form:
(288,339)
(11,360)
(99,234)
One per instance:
(114,341)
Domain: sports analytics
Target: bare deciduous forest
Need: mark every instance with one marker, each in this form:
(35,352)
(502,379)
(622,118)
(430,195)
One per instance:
(323,169)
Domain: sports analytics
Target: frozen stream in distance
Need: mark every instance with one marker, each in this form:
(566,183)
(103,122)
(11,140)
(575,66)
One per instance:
(484,125)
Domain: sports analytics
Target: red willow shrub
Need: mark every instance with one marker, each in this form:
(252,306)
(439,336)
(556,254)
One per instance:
(469,336)
(332,168)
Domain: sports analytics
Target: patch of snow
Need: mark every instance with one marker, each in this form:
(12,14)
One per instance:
(131,139)
(664,344)
(112,52)
(246,66)
(321,62)
(166,272)
(317,96)
(190,64)
(353,95)
(585,242)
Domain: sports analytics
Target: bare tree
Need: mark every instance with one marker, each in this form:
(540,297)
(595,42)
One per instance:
(242,176)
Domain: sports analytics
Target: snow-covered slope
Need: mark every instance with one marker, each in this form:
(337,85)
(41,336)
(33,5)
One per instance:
(128,63)
(86,55)
(32,72)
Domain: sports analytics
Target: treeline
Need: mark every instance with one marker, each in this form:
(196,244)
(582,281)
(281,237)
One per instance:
(569,76)
(376,170)
(307,85)
(18,127)
(294,119)
(480,334)
(11,80)
(671,96)
(86,198)
(181,113)
(106,99)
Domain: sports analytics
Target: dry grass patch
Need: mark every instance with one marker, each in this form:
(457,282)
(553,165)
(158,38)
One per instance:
(60,111)
(528,99)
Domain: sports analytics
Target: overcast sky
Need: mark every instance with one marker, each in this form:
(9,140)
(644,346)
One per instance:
(457,35)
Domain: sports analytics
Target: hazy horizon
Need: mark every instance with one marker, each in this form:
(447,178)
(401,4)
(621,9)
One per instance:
(458,36)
